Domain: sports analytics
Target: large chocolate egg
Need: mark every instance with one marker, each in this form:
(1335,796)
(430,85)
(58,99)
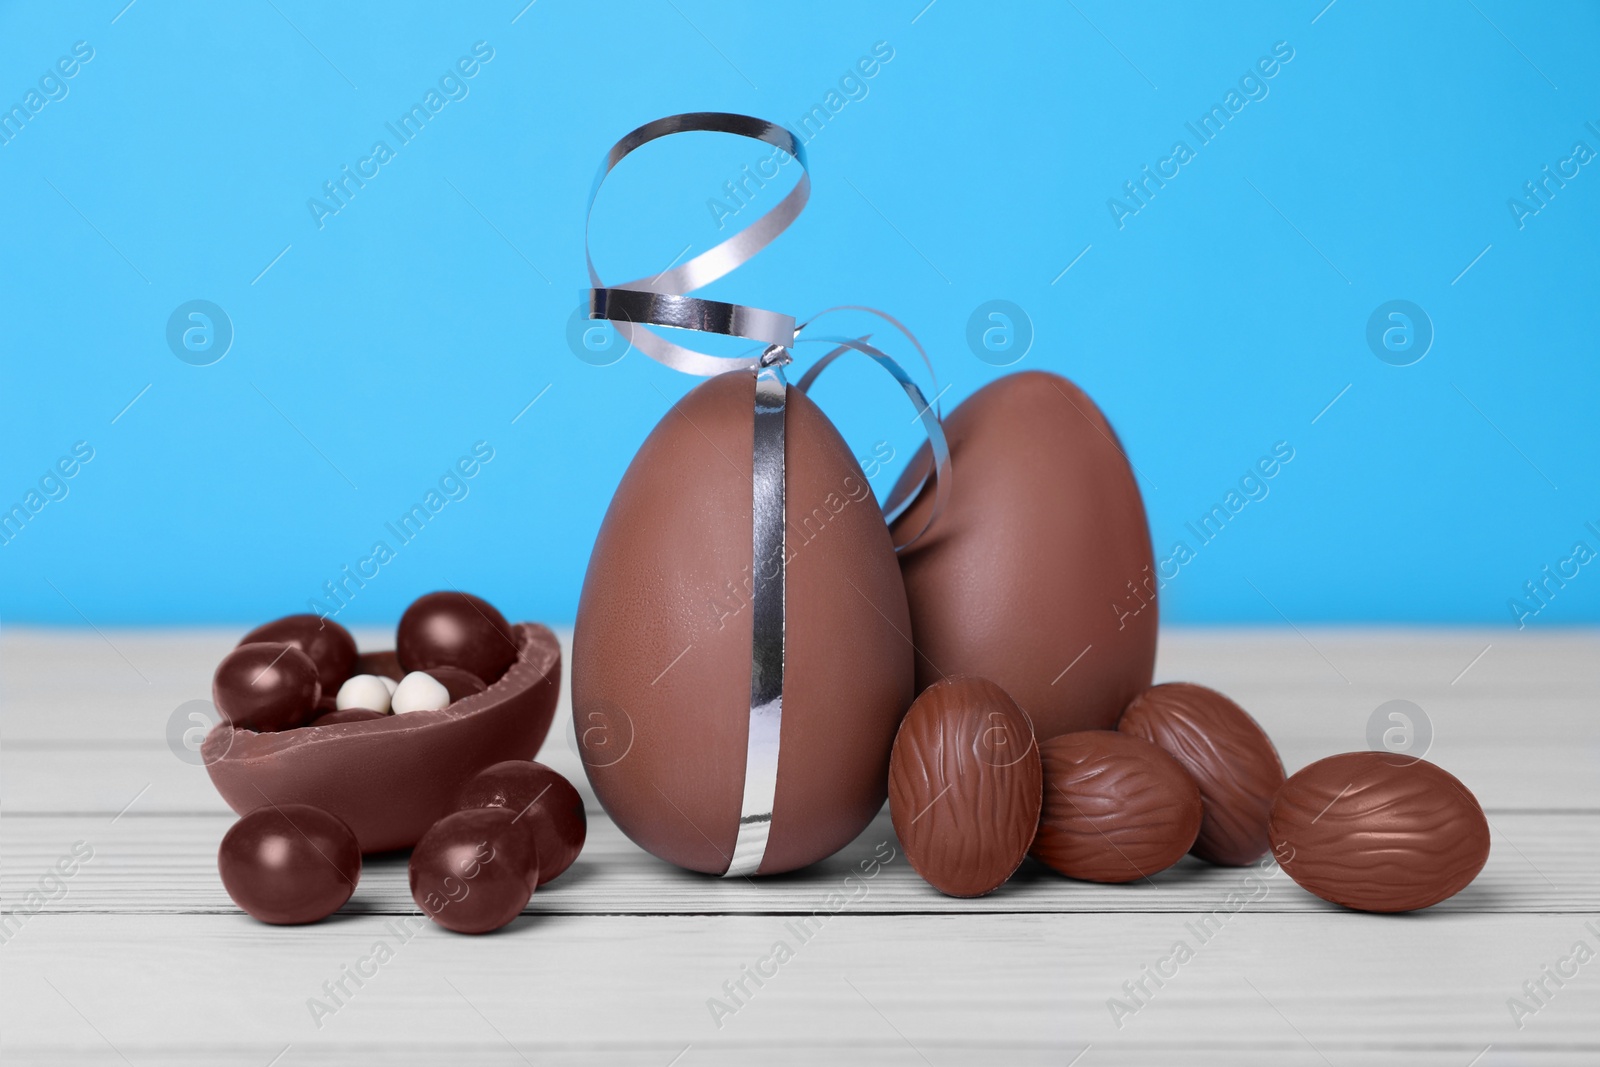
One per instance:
(661,678)
(1038,575)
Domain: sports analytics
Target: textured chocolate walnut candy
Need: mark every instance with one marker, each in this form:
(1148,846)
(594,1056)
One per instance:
(1375,831)
(1227,754)
(964,786)
(1116,808)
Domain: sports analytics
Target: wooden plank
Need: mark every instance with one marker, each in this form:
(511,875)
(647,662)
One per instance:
(84,732)
(1286,989)
(615,962)
(111,684)
(1397,661)
(1539,862)
(123,684)
(1531,754)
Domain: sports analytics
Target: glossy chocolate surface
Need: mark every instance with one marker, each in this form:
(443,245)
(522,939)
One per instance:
(965,786)
(392,778)
(459,683)
(544,802)
(292,863)
(450,629)
(328,645)
(1116,808)
(332,718)
(1038,574)
(1376,831)
(662,647)
(266,687)
(474,870)
(1228,755)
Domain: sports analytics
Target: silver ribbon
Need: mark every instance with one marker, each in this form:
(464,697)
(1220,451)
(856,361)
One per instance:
(768,557)
(662,300)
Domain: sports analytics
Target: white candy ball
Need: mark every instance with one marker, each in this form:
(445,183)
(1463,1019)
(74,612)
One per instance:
(388,683)
(418,691)
(365,691)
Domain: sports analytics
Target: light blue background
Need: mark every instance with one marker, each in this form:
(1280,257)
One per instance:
(425,315)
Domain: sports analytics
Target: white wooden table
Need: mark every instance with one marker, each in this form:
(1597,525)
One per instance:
(140,957)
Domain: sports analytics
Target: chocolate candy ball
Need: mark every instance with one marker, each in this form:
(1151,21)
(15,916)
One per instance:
(542,800)
(458,683)
(329,645)
(475,870)
(266,686)
(289,863)
(455,630)
(333,718)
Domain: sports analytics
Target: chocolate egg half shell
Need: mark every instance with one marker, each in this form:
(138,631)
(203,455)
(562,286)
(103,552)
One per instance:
(1038,576)
(661,661)
(391,777)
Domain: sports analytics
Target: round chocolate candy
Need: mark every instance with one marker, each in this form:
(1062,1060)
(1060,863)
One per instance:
(333,718)
(266,687)
(328,644)
(289,863)
(1228,755)
(452,629)
(543,801)
(1116,807)
(475,870)
(964,786)
(458,683)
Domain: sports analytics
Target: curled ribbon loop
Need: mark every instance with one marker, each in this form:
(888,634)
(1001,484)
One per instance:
(663,300)
(926,413)
(627,305)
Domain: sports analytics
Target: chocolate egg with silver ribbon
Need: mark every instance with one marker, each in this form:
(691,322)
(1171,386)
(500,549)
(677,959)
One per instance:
(666,636)
(742,654)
